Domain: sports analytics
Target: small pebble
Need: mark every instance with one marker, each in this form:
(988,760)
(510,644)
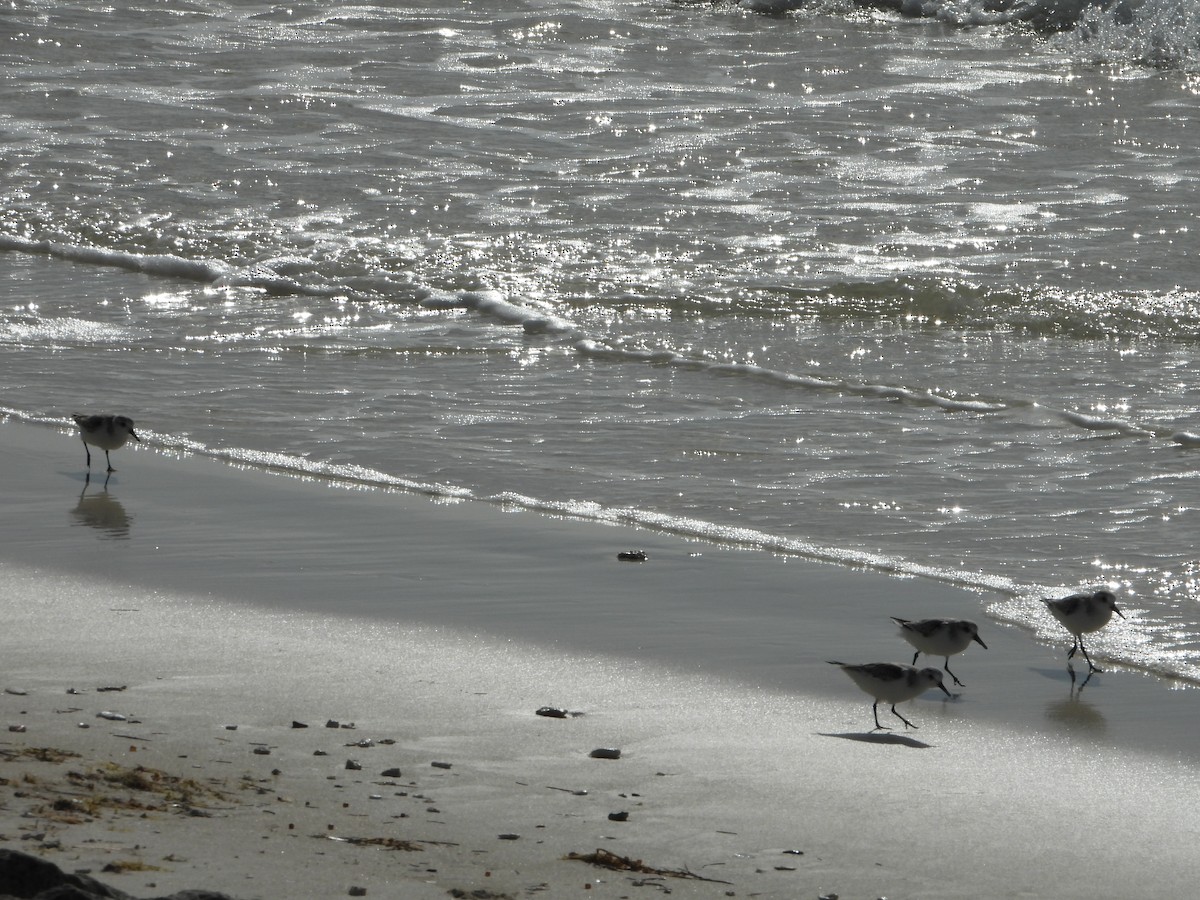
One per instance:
(390,773)
(262,751)
(320,753)
(552,712)
(605,753)
(358,892)
(632,556)
(441,765)
(231,728)
(509,836)
(17,728)
(618,817)
(106,714)
(352,765)
(296,724)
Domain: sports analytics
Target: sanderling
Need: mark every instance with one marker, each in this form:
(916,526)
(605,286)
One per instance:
(1082,613)
(940,637)
(892,683)
(105,432)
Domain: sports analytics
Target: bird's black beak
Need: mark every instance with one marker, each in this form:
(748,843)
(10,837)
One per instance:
(944,691)
(1118,612)
(134,435)
(977,639)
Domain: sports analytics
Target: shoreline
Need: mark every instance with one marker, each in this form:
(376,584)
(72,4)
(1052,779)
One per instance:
(174,521)
(220,608)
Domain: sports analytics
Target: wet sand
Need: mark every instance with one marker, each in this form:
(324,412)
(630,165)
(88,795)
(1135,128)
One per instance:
(227,605)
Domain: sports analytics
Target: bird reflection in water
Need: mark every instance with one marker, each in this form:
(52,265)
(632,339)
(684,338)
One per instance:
(1075,713)
(100,510)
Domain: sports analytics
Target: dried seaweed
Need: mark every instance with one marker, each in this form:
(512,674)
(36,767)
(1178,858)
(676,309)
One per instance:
(606,859)
(387,843)
(41,754)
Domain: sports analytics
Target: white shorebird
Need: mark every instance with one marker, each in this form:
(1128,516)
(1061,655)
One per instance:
(940,637)
(892,683)
(1081,614)
(105,432)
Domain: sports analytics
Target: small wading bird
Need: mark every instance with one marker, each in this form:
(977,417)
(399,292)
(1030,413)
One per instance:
(940,637)
(1081,614)
(105,432)
(892,683)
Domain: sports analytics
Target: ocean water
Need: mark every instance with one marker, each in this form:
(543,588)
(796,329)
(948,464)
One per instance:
(900,285)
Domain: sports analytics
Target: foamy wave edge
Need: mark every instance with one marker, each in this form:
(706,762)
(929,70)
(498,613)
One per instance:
(1016,604)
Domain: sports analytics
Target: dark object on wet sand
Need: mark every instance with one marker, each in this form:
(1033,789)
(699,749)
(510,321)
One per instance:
(632,555)
(618,816)
(552,712)
(31,878)
(605,753)
(606,859)
(390,773)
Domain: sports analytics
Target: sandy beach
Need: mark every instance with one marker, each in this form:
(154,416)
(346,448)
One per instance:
(165,638)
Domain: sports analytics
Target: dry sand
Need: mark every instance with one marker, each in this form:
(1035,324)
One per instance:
(218,631)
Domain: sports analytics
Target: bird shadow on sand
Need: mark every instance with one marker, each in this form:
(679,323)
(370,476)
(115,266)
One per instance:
(878,737)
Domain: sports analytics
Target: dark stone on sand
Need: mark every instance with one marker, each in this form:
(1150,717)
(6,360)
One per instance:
(552,712)
(358,892)
(509,836)
(352,765)
(31,878)
(632,556)
(440,765)
(605,753)
(296,724)
(390,773)
(618,817)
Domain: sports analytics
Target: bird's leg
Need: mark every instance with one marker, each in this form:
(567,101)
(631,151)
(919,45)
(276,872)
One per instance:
(1071,670)
(901,718)
(915,655)
(951,674)
(109,461)
(1074,647)
(89,455)
(1091,668)
(875,709)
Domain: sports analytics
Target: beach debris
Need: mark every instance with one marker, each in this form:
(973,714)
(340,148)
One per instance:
(388,843)
(552,712)
(441,765)
(358,891)
(74,691)
(25,875)
(365,742)
(568,790)
(320,753)
(334,723)
(16,692)
(262,751)
(632,556)
(509,836)
(352,765)
(605,753)
(793,852)
(828,897)
(606,859)
(120,688)
(113,716)
(296,724)
(390,773)
(618,817)
(229,727)
(19,729)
